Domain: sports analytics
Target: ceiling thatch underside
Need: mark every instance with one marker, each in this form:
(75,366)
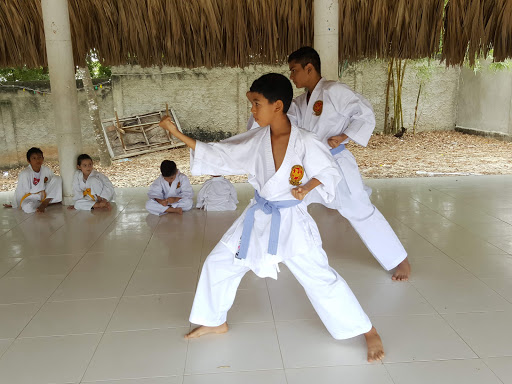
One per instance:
(214,33)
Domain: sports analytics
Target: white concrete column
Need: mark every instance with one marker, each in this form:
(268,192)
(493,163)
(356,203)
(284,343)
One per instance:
(327,36)
(63,88)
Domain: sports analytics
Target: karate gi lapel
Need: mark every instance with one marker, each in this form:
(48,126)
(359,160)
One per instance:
(279,177)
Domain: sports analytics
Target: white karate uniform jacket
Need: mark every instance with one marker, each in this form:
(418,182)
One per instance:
(160,189)
(30,193)
(217,194)
(299,245)
(334,109)
(85,192)
(251,153)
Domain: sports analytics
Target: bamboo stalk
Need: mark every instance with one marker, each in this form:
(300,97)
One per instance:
(416,111)
(392,128)
(386,111)
(401,87)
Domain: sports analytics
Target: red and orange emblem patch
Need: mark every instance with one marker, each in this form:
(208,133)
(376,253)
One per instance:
(296,175)
(317,108)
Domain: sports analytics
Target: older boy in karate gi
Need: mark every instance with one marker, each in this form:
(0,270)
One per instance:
(171,192)
(37,186)
(337,114)
(284,163)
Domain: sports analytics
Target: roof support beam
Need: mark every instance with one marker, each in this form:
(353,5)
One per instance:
(326,36)
(63,85)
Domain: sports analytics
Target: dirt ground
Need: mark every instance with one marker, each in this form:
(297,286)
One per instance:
(421,155)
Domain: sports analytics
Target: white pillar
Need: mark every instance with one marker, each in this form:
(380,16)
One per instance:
(326,36)
(63,88)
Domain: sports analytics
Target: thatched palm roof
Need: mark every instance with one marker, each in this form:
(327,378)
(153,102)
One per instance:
(239,32)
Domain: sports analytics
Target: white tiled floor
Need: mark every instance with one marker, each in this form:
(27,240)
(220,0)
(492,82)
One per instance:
(105,297)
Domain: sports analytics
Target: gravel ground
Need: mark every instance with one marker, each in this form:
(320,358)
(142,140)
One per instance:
(424,154)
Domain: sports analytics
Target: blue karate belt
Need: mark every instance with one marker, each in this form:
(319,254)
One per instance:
(338,149)
(270,208)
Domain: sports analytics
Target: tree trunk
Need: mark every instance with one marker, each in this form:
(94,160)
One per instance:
(94,114)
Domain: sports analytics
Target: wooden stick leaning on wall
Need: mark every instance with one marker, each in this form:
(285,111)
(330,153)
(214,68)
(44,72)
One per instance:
(120,131)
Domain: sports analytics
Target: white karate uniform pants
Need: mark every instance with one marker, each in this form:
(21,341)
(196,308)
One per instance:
(53,191)
(86,203)
(330,295)
(354,204)
(158,209)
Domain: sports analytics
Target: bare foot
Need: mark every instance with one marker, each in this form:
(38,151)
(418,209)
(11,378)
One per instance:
(102,205)
(43,206)
(374,344)
(203,330)
(402,271)
(179,211)
(71,208)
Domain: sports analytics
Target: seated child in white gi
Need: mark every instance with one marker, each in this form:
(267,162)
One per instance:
(171,192)
(284,164)
(37,186)
(91,189)
(217,194)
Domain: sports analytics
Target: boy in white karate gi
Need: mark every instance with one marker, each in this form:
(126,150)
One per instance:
(91,189)
(284,163)
(217,194)
(37,186)
(337,115)
(171,192)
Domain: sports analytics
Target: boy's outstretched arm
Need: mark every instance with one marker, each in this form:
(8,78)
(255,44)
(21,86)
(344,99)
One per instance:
(300,192)
(167,124)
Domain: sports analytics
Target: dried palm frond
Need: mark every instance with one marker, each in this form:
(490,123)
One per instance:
(216,33)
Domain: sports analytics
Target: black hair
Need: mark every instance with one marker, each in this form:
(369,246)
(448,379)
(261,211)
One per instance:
(274,86)
(82,157)
(33,150)
(305,56)
(168,168)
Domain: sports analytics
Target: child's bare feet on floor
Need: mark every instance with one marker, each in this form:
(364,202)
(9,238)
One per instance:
(203,330)
(402,271)
(374,344)
(43,206)
(179,211)
(71,208)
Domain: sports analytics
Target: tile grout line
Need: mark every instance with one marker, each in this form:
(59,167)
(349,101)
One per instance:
(48,298)
(197,280)
(120,297)
(275,330)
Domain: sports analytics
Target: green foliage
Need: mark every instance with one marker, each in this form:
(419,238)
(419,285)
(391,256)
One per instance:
(501,66)
(96,69)
(424,70)
(494,66)
(24,74)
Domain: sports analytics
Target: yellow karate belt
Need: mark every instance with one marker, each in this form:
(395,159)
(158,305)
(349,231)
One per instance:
(43,196)
(87,192)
